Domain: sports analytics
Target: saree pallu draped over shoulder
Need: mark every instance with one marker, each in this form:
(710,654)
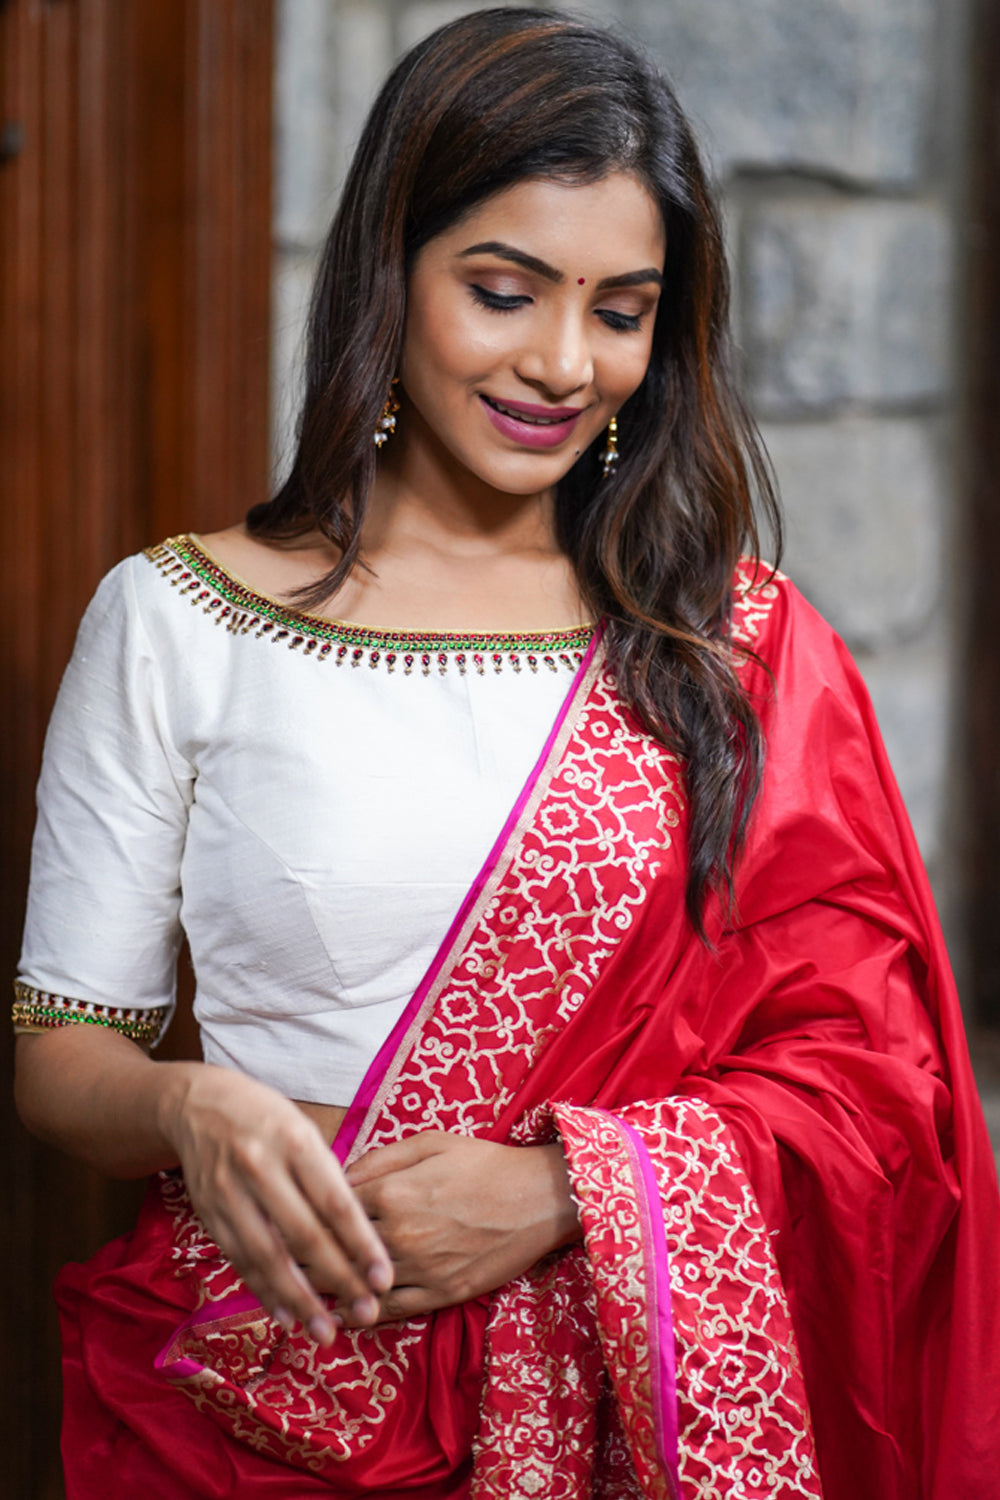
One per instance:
(786,1285)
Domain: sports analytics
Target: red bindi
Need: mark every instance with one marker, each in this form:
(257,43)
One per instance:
(581,280)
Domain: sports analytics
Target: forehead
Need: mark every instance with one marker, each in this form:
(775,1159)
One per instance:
(592,228)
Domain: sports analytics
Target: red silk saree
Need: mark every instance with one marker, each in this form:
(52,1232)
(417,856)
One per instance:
(787,1284)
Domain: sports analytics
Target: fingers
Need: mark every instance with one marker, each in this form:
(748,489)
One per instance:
(273,1197)
(256,1251)
(409,1302)
(402,1302)
(400,1154)
(339,1211)
(322,1225)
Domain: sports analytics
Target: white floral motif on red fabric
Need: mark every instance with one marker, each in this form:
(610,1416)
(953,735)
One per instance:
(538,1427)
(575,882)
(561,905)
(743,1412)
(755,591)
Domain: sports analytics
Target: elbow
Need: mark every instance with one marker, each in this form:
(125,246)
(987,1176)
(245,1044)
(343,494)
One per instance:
(77,1089)
(28,1098)
(40,1088)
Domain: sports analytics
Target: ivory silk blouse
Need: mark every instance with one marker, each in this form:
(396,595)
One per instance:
(308,800)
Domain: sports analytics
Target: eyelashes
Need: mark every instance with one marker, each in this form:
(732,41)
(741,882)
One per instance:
(496,301)
(501,303)
(622,322)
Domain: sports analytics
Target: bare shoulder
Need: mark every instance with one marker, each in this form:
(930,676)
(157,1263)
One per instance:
(277,569)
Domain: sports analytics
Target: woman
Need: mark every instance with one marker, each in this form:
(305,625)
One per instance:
(664,1169)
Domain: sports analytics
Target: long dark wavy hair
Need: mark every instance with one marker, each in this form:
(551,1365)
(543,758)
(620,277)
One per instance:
(485,102)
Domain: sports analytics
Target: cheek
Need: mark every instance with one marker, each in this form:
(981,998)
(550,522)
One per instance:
(471,347)
(446,341)
(627,374)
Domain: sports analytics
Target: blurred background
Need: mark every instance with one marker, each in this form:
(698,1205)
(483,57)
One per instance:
(168,169)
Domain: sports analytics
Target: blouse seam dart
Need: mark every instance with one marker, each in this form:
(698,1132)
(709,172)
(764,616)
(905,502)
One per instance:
(242,610)
(296,882)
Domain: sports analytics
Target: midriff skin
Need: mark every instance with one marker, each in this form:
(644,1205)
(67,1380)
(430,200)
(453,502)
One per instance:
(327,1116)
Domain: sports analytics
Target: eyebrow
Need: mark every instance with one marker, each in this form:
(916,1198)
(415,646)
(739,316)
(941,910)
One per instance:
(542,268)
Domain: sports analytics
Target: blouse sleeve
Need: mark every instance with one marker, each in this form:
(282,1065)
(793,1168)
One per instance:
(103,918)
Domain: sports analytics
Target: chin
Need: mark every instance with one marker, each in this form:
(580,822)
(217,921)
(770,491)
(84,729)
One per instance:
(528,476)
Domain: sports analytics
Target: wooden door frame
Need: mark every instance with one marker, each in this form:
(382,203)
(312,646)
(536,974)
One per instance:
(135,294)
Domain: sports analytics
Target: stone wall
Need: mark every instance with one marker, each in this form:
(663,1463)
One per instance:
(835,130)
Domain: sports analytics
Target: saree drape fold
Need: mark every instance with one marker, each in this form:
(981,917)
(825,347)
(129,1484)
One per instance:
(787,1284)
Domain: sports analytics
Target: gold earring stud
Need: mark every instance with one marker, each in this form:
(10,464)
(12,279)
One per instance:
(610,455)
(387,421)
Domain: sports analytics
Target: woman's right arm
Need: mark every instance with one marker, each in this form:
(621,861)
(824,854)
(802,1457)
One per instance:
(101,938)
(259,1174)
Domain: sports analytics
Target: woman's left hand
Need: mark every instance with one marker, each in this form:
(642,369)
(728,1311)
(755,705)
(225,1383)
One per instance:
(461,1216)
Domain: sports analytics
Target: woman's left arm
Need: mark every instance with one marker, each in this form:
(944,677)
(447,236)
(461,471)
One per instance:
(461,1216)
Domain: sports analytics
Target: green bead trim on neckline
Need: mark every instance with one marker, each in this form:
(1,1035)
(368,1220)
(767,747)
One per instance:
(232,603)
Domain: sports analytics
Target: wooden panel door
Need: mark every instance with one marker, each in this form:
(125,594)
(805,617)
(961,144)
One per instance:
(135,170)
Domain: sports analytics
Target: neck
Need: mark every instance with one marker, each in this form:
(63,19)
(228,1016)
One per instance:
(422,491)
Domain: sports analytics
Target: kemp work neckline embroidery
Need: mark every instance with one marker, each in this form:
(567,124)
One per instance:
(194,573)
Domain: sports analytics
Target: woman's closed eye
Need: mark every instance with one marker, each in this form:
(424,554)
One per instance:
(620,321)
(497,301)
(502,302)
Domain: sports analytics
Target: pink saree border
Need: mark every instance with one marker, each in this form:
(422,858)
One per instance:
(235,1306)
(364,1108)
(660,1318)
(637,1166)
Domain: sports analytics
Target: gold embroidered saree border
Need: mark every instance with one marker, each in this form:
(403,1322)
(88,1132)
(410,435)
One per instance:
(737,1368)
(478,909)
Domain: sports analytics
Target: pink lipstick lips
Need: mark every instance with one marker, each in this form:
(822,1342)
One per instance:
(532,426)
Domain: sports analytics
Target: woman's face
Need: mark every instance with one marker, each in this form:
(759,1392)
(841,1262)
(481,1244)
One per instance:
(529,324)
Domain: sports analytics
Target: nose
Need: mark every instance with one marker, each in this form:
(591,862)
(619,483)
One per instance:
(557,359)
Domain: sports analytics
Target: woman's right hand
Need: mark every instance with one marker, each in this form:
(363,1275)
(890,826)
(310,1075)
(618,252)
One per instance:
(273,1197)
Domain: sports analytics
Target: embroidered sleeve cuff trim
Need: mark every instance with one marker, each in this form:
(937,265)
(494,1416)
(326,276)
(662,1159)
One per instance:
(37,1010)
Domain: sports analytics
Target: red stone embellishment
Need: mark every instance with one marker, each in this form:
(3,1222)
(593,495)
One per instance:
(228,602)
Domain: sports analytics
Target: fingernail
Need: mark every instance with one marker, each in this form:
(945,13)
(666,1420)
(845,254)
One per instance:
(365,1309)
(321,1329)
(379,1276)
(283,1317)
